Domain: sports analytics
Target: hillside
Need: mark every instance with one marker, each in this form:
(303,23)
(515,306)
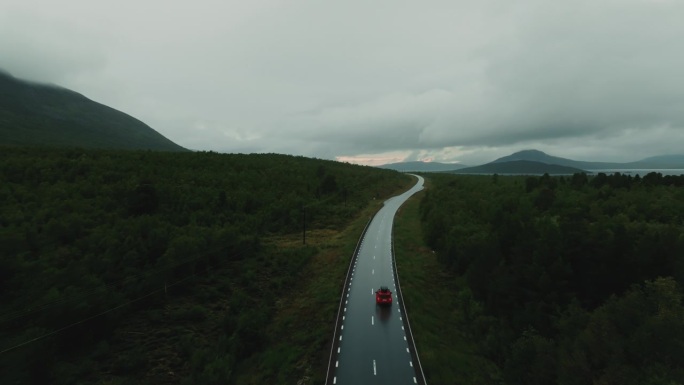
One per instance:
(422,166)
(519,167)
(34,114)
(196,258)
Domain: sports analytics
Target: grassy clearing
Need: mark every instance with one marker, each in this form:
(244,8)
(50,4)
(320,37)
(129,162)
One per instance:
(430,295)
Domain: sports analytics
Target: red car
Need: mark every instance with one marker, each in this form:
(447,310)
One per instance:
(383,296)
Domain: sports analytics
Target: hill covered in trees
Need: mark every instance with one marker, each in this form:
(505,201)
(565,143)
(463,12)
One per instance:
(174,246)
(34,114)
(566,280)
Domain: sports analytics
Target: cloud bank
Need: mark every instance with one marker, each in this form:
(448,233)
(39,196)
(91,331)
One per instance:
(444,80)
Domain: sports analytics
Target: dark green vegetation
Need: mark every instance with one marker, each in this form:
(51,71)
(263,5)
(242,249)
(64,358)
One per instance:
(194,261)
(568,280)
(431,298)
(519,167)
(42,115)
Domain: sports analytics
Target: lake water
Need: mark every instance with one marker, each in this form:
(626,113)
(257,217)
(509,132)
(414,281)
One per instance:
(641,172)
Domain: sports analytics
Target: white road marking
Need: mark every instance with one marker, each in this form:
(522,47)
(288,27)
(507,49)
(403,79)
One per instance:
(345,309)
(407,351)
(334,380)
(337,364)
(347,295)
(375,372)
(404,337)
(338,352)
(346,302)
(411,363)
(341,340)
(343,319)
(372,320)
(343,329)
(373,272)
(414,380)
(402,328)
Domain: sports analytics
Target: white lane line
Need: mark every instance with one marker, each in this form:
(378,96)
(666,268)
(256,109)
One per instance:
(343,329)
(372,320)
(341,340)
(402,328)
(375,372)
(346,302)
(343,320)
(407,351)
(347,295)
(373,272)
(414,380)
(411,363)
(345,309)
(400,318)
(337,364)
(338,352)
(372,291)
(404,337)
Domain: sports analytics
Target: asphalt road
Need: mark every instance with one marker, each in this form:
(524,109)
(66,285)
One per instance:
(373,344)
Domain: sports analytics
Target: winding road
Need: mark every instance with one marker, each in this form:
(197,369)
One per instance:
(371,344)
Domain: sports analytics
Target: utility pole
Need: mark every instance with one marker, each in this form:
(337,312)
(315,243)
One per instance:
(303,226)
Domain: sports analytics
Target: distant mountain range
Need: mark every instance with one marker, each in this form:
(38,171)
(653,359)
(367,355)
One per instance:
(423,166)
(535,162)
(656,162)
(520,167)
(33,114)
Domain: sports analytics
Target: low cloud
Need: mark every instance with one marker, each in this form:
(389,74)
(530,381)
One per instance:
(449,80)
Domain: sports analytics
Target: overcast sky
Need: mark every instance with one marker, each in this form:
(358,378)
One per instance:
(371,81)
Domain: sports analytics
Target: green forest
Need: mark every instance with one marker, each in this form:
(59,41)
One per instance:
(566,280)
(90,238)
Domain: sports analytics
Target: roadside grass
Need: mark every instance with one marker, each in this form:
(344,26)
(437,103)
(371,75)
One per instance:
(300,333)
(430,296)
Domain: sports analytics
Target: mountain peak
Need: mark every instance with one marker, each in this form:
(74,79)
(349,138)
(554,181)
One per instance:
(531,155)
(530,152)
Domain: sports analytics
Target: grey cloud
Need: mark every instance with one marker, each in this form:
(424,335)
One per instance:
(449,80)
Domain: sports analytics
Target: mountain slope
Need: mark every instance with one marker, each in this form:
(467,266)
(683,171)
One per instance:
(663,161)
(539,156)
(519,167)
(656,162)
(34,114)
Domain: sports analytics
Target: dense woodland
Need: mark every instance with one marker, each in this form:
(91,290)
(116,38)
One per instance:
(89,237)
(567,280)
